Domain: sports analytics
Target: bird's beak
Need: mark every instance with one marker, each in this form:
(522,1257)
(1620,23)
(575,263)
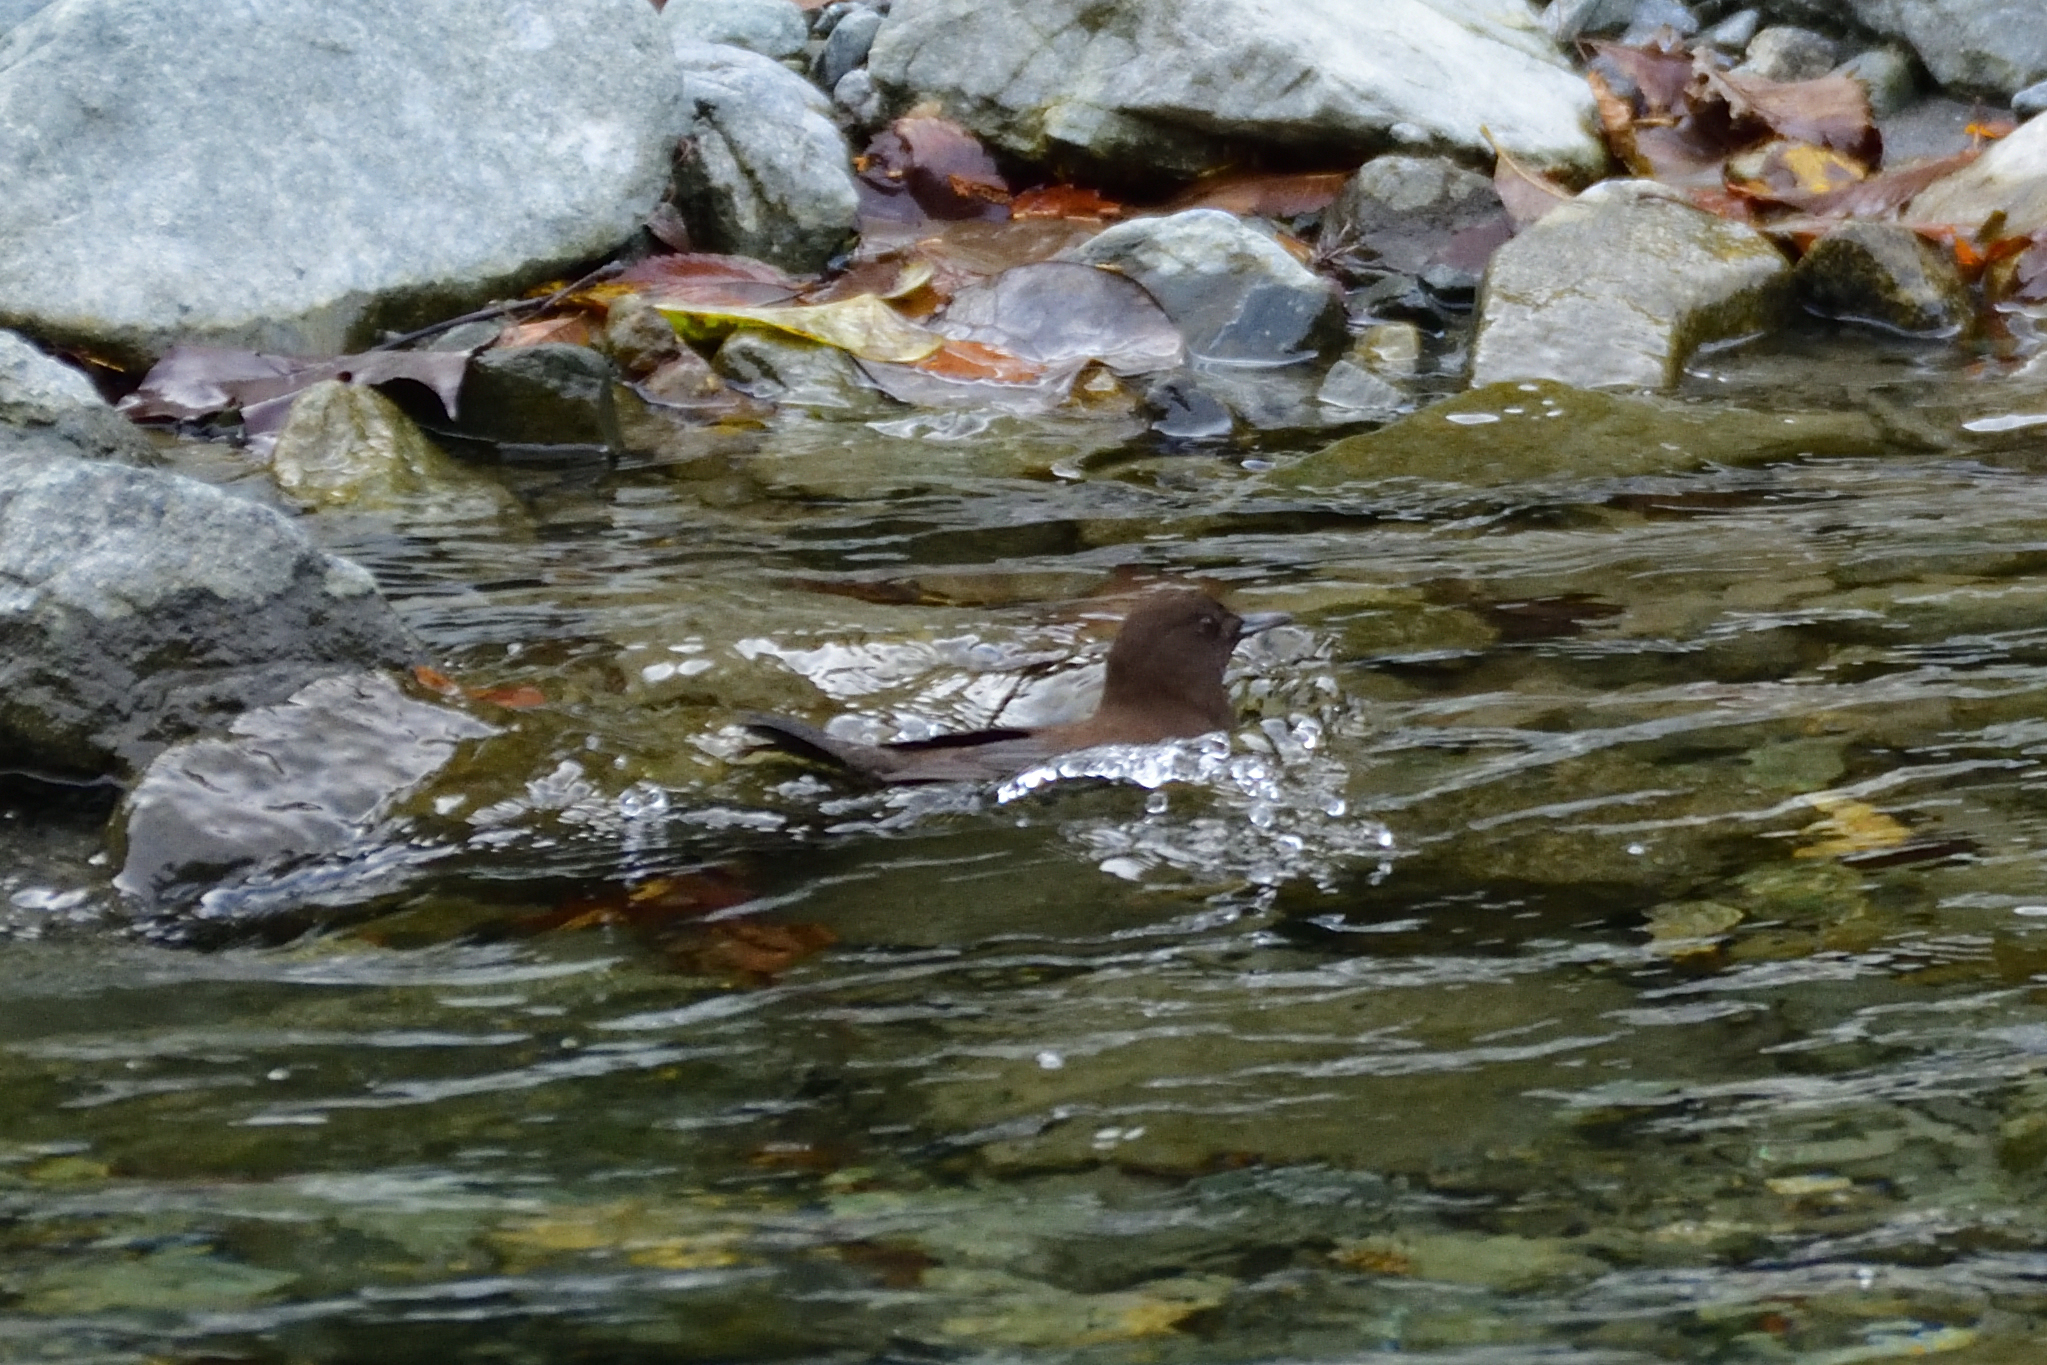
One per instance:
(1256,622)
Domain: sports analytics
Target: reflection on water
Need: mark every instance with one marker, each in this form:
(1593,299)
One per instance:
(1615,934)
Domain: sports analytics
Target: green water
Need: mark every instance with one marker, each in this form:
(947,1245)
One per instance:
(1615,934)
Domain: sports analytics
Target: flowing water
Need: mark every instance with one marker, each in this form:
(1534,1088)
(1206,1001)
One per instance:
(1616,933)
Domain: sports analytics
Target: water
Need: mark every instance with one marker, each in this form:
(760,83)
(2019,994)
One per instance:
(1614,935)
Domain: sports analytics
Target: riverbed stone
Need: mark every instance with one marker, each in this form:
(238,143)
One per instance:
(1991,47)
(773,28)
(307,776)
(1887,274)
(1231,289)
(40,393)
(1619,286)
(1785,52)
(553,394)
(778,368)
(2009,178)
(138,606)
(1534,429)
(295,175)
(846,49)
(13,12)
(1416,216)
(769,174)
(1158,89)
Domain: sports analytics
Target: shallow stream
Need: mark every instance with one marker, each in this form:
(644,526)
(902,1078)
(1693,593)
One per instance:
(1616,934)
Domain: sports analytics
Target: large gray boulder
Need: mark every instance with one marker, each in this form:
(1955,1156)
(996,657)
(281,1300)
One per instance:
(2009,178)
(1167,87)
(770,175)
(291,175)
(1619,286)
(138,606)
(1994,47)
(13,12)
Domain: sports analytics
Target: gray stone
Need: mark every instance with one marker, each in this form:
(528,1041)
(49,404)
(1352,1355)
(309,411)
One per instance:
(1566,20)
(42,394)
(1419,216)
(1886,73)
(551,394)
(2010,178)
(347,445)
(310,775)
(1389,348)
(1733,33)
(1618,286)
(1786,53)
(1886,274)
(771,176)
(847,48)
(1656,19)
(2031,100)
(294,175)
(1990,47)
(1234,292)
(1162,88)
(796,373)
(637,337)
(856,97)
(138,607)
(773,28)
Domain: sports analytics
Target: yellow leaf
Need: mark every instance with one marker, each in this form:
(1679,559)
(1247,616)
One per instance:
(862,325)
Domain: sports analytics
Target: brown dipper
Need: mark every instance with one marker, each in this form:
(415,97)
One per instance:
(1165,681)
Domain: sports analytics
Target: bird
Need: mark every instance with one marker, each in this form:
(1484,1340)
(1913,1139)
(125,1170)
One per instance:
(1164,681)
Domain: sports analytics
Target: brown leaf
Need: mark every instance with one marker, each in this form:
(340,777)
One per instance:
(1882,195)
(1064,201)
(192,382)
(1261,194)
(572,329)
(1795,174)
(702,279)
(1528,196)
(1617,121)
(938,164)
(1662,76)
(1830,111)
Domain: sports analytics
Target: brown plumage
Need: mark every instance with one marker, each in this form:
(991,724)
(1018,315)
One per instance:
(1164,681)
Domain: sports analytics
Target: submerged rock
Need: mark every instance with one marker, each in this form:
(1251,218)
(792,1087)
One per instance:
(308,776)
(1886,274)
(1164,88)
(770,175)
(141,606)
(1508,433)
(1619,286)
(1417,216)
(1234,292)
(346,445)
(550,394)
(294,175)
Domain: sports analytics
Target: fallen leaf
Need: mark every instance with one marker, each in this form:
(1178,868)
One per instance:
(702,279)
(572,329)
(1064,201)
(939,165)
(1662,75)
(863,326)
(1528,196)
(193,382)
(1617,122)
(1060,312)
(1263,194)
(1830,111)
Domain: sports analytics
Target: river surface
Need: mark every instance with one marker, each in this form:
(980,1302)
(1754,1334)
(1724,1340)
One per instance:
(1616,933)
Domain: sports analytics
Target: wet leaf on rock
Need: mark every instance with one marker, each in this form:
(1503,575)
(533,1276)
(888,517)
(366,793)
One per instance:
(863,326)
(1829,111)
(938,166)
(1263,194)
(1059,312)
(193,382)
(705,280)
(1527,195)
(1848,827)
(1064,201)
